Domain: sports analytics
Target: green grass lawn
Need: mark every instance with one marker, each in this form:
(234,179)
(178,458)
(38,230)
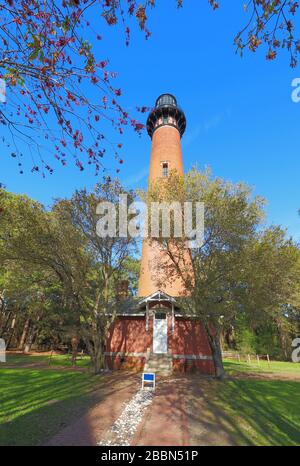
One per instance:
(35,404)
(63,360)
(234,366)
(260,412)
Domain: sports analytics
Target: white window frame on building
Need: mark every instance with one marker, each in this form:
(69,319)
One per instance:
(165,169)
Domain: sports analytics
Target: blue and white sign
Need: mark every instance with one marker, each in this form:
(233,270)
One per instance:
(2,91)
(148,380)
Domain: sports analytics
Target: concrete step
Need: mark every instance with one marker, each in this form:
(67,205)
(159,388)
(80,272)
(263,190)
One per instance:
(161,356)
(159,363)
(157,369)
(150,368)
(159,372)
(162,361)
(161,367)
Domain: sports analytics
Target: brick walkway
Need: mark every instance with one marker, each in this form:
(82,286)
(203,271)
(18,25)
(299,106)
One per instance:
(180,415)
(90,428)
(165,421)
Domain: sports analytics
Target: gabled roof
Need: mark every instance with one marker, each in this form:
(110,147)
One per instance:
(129,306)
(158,296)
(136,306)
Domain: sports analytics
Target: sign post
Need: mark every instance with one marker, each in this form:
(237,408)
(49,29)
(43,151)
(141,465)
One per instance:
(148,380)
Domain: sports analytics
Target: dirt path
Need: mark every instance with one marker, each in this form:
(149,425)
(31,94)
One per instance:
(165,422)
(90,428)
(182,415)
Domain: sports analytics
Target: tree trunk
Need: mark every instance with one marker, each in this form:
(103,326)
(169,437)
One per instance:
(217,357)
(229,337)
(11,332)
(214,343)
(98,359)
(29,342)
(2,319)
(24,334)
(74,343)
(4,326)
(33,333)
(283,338)
(98,356)
(30,339)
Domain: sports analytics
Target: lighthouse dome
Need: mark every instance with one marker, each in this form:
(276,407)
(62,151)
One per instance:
(166,112)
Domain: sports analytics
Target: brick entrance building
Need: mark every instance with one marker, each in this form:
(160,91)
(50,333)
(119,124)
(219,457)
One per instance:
(150,332)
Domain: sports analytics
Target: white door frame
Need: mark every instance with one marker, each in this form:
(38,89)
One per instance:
(160,333)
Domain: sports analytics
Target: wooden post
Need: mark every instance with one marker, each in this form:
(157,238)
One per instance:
(268,360)
(257,357)
(147,316)
(239,358)
(173,318)
(249,359)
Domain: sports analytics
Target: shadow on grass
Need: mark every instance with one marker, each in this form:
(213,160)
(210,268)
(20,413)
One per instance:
(240,412)
(37,404)
(209,423)
(36,427)
(260,412)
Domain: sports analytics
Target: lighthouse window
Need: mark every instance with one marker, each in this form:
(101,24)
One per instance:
(166,120)
(165,169)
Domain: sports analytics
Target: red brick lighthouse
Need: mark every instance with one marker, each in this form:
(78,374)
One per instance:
(151,332)
(166,125)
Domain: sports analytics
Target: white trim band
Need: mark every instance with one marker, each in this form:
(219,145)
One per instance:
(201,357)
(123,353)
(192,356)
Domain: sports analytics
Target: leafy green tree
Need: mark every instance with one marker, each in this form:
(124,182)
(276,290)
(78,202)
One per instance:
(241,267)
(246,341)
(29,297)
(83,267)
(110,259)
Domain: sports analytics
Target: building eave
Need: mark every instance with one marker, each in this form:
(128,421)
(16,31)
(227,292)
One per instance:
(157,296)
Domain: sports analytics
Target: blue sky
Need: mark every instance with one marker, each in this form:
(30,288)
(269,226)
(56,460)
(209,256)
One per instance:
(241,120)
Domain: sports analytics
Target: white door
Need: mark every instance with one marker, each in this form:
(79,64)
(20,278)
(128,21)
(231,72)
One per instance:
(160,333)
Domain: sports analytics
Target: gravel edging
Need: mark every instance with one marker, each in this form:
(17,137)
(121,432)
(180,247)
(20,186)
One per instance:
(124,428)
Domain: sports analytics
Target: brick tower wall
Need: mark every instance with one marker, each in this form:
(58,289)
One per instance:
(166,147)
